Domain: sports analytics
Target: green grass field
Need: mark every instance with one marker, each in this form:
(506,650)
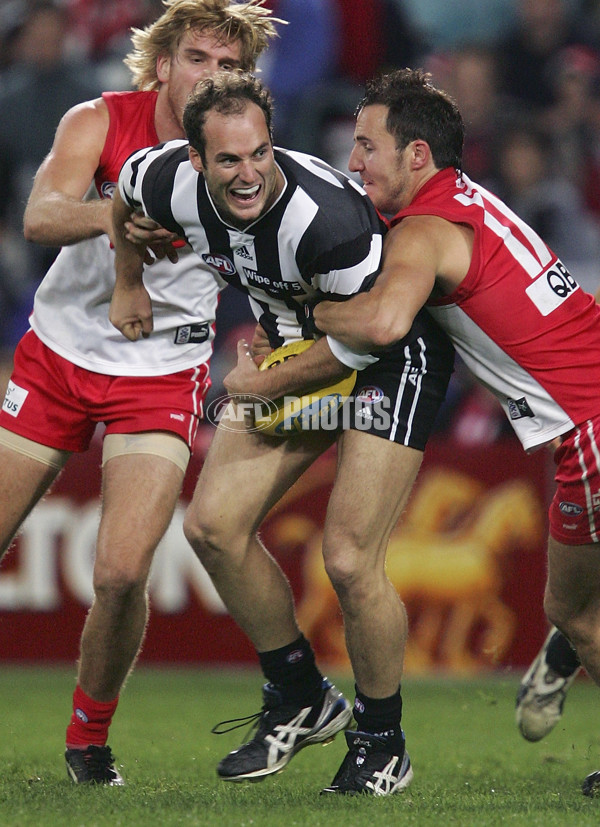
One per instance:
(471,765)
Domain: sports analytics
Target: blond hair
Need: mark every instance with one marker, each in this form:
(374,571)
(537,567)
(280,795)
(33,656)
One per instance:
(249,22)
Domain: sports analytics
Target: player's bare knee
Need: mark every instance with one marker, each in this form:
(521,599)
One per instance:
(340,534)
(344,554)
(120,583)
(347,574)
(218,545)
(205,536)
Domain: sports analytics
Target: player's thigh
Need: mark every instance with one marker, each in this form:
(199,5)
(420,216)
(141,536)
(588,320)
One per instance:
(573,577)
(26,472)
(245,473)
(373,482)
(139,496)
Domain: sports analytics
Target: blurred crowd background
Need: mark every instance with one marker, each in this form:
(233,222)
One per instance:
(525,73)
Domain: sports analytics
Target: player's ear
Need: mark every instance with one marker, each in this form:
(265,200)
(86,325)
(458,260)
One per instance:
(195,159)
(421,153)
(163,67)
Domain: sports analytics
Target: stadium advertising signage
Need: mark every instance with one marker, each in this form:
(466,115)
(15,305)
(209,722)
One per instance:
(468,559)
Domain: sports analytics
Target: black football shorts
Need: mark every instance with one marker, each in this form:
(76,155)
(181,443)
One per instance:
(398,397)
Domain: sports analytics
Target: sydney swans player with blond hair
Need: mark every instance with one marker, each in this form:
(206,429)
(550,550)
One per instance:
(72,370)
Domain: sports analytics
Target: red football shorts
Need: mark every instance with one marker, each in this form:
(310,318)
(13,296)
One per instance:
(52,401)
(575,510)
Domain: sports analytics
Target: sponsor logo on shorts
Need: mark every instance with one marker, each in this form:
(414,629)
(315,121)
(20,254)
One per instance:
(519,408)
(221,263)
(178,416)
(571,509)
(415,374)
(14,399)
(370,394)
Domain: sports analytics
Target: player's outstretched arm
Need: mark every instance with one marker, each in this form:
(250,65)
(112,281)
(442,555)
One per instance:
(130,307)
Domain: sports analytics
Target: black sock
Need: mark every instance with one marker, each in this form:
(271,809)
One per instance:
(293,671)
(380,716)
(561,657)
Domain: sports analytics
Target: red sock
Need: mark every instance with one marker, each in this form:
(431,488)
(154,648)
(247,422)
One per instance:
(90,720)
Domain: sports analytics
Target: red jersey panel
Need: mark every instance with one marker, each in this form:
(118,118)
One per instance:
(131,127)
(519,319)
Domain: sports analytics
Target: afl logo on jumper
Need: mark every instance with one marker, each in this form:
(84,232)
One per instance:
(108,189)
(221,263)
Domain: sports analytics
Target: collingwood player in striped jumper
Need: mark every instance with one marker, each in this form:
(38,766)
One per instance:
(287,229)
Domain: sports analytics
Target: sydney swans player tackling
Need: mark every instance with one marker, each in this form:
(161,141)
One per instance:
(519,319)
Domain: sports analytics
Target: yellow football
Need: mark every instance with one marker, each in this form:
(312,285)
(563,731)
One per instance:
(313,411)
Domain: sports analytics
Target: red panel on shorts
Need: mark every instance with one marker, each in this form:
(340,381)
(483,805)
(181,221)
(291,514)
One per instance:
(56,403)
(575,509)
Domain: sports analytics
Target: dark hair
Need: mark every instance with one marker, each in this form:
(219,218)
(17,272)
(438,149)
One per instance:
(228,93)
(418,110)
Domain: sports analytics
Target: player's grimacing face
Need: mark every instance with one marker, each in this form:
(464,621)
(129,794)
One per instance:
(378,162)
(198,55)
(240,170)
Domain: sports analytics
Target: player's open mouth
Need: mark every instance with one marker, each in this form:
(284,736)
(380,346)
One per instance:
(245,193)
